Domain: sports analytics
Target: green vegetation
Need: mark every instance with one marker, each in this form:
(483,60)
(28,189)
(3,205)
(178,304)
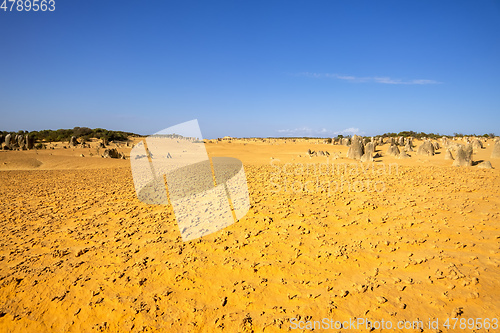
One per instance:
(417,135)
(432,135)
(84,133)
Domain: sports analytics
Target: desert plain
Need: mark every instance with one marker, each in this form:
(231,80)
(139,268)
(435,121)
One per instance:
(413,239)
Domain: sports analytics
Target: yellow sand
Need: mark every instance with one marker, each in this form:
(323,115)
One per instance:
(80,253)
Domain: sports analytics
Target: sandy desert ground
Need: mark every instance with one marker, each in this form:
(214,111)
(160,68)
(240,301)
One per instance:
(395,239)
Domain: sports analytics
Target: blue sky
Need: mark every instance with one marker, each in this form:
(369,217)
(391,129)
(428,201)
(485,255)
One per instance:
(254,68)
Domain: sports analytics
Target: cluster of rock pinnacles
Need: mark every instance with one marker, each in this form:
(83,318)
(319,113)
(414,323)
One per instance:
(27,142)
(17,141)
(365,150)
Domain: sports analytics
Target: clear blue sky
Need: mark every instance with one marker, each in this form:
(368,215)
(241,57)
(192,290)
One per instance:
(254,68)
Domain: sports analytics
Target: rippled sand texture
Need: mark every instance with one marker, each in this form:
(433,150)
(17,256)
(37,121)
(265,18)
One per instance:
(79,252)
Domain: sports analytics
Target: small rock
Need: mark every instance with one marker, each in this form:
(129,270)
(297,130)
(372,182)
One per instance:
(485,165)
(457,312)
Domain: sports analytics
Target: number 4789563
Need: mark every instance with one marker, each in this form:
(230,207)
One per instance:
(28,5)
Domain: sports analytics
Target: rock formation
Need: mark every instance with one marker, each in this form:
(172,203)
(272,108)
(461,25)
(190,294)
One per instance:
(445,141)
(356,149)
(7,140)
(393,150)
(30,141)
(112,153)
(485,165)
(496,150)
(403,154)
(367,157)
(72,141)
(20,142)
(448,155)
(370,148)
(426,148)
(463,157)
(476,144)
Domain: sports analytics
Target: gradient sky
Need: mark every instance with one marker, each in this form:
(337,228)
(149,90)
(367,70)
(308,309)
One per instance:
(254,68)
